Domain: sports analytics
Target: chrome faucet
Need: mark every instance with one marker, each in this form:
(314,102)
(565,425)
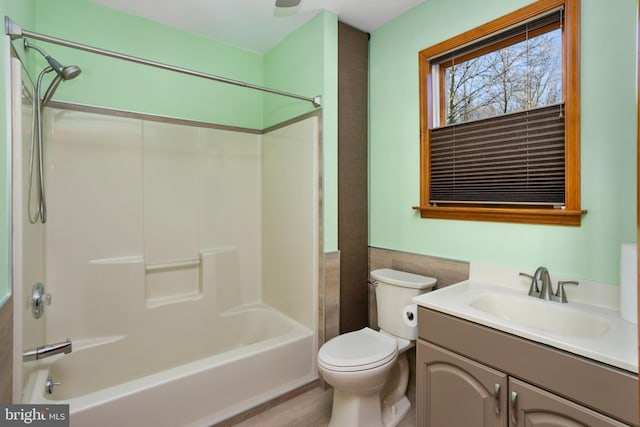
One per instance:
(45,351)
(534,290)
(545,290)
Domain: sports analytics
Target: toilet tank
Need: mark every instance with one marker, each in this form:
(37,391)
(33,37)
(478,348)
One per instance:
(394,293)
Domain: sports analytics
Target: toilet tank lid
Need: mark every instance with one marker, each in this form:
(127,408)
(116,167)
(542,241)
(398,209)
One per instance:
(402,278)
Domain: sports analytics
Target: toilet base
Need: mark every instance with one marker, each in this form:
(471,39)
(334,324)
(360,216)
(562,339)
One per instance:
(395,404)
(351,410)
(393,414)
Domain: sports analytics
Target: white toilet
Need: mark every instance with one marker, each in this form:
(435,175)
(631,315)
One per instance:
(369,370)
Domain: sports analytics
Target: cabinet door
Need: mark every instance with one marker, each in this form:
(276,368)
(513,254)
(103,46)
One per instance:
(534,407)
(455,391)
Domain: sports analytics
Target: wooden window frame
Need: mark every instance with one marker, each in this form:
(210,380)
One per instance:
(571,214)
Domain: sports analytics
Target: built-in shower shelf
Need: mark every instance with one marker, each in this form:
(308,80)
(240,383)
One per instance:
(172,265)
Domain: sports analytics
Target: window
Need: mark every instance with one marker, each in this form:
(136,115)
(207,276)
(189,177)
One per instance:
(500,120)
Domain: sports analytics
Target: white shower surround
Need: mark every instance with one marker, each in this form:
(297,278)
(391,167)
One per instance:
(159,229)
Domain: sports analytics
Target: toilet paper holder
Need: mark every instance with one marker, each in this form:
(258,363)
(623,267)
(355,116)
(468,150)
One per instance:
(410,315)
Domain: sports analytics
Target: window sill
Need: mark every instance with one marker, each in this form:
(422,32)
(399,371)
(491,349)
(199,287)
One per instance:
(517,215)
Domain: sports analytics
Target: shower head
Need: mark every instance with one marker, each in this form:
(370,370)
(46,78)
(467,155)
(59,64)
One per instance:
(66,73)
(70,71)
(63,73)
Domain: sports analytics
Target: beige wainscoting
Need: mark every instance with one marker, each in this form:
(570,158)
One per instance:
(6,350)
(329,302)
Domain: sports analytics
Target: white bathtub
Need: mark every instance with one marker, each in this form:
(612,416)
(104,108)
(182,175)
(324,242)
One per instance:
(195,379)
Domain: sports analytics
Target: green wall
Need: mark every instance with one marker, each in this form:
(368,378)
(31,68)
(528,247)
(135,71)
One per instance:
(123,85)
(293,64)
(24,11)
(608,143)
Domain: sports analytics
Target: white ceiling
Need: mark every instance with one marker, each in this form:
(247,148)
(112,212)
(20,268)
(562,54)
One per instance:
(252,24)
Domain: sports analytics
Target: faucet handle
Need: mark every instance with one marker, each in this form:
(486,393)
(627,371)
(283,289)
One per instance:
(49,385)
(560,293)
(534,291)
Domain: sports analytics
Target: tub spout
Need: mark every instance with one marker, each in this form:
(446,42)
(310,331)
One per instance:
(45,351)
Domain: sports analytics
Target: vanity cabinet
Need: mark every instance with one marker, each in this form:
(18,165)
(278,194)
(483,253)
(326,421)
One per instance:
(456,391)
(471,375)
(533,407)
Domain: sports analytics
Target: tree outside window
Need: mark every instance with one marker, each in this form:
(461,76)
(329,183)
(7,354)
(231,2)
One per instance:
(519,77)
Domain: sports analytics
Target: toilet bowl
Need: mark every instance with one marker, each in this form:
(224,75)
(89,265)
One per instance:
(357,365)
(368,369)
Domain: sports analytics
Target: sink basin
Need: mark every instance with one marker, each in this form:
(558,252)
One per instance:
(590,331)
(542,315)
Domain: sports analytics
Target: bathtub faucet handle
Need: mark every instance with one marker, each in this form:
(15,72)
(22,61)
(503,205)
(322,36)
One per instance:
(39,299)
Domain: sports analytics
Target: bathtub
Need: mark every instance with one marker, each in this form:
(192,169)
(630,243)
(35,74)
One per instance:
(195,379)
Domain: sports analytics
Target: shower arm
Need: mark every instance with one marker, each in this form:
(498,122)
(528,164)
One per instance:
(15,31)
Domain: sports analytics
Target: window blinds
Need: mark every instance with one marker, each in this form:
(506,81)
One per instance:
(517,158)
(554,17)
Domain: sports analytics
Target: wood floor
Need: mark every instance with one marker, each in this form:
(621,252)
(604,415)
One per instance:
(311,409)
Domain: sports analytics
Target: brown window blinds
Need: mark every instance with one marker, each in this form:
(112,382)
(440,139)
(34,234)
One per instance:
(530,28)
(517,158)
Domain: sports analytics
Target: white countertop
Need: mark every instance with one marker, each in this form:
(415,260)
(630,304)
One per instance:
(616,347)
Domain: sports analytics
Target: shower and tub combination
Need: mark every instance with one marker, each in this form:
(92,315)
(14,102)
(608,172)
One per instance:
(169,275)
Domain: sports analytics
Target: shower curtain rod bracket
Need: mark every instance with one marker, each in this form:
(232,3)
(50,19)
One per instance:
(15,31)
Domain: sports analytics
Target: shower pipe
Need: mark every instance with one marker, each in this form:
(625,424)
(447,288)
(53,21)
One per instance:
(15,31)
(36,150)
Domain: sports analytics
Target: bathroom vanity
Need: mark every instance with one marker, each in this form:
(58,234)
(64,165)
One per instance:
(475,373)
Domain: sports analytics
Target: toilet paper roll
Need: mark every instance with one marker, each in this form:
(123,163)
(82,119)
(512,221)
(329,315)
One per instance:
(628,282)
(410,315)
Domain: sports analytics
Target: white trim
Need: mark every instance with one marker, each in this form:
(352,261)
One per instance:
(435,94)
(8,171)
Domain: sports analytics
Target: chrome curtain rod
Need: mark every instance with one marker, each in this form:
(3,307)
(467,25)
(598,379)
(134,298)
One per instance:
(15,31)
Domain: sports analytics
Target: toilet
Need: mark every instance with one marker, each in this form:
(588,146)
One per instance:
(368,369)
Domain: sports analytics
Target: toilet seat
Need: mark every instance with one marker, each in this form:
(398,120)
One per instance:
(357,351)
